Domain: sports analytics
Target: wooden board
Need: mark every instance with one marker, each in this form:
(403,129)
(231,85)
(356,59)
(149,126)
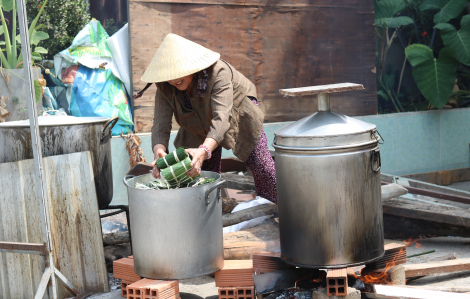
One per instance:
(443,177)
(450,266)
(383,291)
(311,90)
(276,45)
(425,211)
(75,225)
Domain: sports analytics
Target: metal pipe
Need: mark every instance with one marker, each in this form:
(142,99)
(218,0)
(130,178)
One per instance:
(323,101)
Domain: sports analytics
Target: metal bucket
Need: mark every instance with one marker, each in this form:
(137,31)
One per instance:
(176,233)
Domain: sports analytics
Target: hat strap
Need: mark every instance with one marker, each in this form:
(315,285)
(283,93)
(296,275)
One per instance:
(140,93)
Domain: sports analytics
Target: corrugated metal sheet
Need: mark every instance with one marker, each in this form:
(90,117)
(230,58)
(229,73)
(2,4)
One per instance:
(75,225)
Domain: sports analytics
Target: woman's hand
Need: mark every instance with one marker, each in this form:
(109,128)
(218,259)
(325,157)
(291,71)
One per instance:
(199,155)
(159,151)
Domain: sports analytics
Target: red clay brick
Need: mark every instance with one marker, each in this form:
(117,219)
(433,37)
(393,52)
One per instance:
(227,293)
(337,282)
(245,292)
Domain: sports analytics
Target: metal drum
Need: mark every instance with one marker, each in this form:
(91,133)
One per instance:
(62,135)
(329,191)
(176,233)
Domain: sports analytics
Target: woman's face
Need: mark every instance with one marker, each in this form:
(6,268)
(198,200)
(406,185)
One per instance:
(182,83)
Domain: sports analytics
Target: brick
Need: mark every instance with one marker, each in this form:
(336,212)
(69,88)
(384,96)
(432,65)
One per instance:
(337,282)
(227,293)
(124,284)
(245,292)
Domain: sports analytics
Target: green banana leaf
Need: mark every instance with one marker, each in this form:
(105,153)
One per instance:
(435,77)
(457,40)
(386,9)
(7,5)
(448,9)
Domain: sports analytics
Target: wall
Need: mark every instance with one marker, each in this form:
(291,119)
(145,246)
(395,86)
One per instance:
(274,43)
(414,142)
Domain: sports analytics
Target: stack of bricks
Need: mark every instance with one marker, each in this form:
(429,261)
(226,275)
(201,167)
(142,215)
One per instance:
(235,280)
(153,289)
(395,254)
(337,282)
(123,269)
(265,262)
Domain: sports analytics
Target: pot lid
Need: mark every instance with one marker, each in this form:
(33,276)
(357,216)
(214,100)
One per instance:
(325,129)
(45,121)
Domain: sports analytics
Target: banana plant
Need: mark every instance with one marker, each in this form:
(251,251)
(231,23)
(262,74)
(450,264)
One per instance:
(11,59)
(435,77)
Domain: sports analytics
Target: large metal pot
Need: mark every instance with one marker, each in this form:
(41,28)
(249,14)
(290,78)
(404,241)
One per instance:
(176,233)
(65,135)
(329,196)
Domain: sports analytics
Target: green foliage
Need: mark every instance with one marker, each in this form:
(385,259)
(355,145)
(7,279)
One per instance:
(110,26)
(457,40)
(385,11)
(435,77)
(62,20)
(448,9)
(11,58)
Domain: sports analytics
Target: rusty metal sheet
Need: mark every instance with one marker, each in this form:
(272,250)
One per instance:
(16,247)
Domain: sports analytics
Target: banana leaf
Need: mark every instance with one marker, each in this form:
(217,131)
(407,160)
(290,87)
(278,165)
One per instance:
(176,175)
(168,160)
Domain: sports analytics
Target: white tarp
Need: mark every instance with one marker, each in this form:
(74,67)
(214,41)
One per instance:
(119,46)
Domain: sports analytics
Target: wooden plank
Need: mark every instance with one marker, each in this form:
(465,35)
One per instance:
(311,90)
(424,211)
(14,247)
(443,177)
(239,182)
(404,228)
(450,266)
(75,225)
(80,251)
(423,185)
(305,48)
(383,291)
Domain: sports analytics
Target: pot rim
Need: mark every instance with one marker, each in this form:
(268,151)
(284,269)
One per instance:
(54,121)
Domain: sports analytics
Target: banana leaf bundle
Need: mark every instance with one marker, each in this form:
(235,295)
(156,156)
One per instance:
(174,157)
(176,175)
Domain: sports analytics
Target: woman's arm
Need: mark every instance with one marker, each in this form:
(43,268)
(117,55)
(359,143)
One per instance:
(199,155)
(161,129)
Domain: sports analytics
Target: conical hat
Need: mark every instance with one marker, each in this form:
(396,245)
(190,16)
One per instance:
(178,57)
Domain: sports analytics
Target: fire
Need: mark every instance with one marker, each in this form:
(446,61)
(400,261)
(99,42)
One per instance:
(410,241)
(379,276)
(299,280)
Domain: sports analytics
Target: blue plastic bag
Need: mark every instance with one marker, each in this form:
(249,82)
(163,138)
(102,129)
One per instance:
(97,92)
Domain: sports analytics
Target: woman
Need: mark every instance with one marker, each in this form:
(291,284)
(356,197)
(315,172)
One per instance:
(214,105)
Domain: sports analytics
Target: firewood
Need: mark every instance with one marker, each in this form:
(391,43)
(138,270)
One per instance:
(247,214)
(115,238)
(242,244)
(382,291)
(437,267)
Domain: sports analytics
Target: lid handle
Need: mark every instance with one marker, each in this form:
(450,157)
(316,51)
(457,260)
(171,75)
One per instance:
(322,92)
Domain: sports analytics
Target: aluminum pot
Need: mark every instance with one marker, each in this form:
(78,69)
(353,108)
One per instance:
(176,233)
(329,191)
(65,135)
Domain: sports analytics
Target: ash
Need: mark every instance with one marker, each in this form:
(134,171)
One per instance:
(294,294)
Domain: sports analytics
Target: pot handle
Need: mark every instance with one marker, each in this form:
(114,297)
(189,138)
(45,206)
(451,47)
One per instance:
(218,185)
(127,177)
(375,159)
(111,122)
